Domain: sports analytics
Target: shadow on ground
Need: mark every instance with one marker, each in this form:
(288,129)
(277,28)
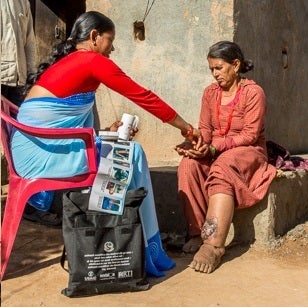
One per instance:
(37,247)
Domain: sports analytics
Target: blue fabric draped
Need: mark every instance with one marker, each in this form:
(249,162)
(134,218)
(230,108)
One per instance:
(157,260)
(37,157)
(43,158)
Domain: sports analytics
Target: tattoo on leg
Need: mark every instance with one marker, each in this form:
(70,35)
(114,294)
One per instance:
(209,228)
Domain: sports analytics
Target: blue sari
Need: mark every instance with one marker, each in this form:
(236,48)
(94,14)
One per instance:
(157,260)
(43,158)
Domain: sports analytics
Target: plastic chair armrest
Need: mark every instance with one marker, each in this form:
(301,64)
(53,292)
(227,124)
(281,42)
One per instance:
(86,134)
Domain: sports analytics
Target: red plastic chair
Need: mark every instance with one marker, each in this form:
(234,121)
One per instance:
(21,189)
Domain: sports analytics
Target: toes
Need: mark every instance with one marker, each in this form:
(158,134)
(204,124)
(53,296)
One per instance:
(207,259)
(198,266)
(192,264)
(208,269)
(202,267)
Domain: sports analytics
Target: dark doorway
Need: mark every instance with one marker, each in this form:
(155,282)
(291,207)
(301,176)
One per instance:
(53,21)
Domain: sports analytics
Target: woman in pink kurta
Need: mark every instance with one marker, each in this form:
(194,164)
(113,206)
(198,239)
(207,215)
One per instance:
(231,169)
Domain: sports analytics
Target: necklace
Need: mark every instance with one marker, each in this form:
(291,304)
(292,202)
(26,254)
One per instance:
(223,132)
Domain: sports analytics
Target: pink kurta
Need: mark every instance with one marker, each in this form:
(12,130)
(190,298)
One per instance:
(240,169)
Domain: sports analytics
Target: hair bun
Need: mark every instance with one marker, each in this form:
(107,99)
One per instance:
(247,66)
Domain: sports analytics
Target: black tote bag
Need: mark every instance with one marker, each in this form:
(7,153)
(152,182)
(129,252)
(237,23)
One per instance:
(105,252)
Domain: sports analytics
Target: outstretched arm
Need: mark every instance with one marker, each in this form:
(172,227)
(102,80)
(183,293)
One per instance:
(187,130)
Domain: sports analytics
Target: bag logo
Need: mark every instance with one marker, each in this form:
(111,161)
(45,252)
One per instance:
(91,276)
(108,247)
(125,274)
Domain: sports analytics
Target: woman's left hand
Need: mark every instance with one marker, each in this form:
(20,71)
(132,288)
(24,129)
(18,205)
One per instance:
(189,150)
(200,153)
(117,124)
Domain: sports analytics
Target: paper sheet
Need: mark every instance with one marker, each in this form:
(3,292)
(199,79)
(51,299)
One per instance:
(113,177)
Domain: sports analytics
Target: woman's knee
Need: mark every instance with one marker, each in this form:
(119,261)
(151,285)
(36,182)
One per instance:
(189,167)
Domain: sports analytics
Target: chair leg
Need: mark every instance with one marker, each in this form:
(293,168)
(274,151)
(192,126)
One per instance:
(14,208)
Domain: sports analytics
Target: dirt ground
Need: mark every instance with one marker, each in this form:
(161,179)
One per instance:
(248,276)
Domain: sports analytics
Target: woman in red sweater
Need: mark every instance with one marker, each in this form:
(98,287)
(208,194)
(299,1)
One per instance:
(61,95)
(231,169)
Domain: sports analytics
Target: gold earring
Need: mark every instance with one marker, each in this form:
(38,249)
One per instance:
(94,43)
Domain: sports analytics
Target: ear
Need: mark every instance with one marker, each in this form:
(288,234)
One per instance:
(93,35)
(236,64)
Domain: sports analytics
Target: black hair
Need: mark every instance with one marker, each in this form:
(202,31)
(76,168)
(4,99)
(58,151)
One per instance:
(81,30)
(230,51)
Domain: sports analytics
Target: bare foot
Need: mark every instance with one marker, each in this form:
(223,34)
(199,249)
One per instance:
(207,258)
(192,245)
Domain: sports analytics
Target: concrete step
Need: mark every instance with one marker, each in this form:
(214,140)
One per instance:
(284,207)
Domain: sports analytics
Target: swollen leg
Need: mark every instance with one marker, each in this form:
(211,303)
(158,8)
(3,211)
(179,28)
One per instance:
(214,233)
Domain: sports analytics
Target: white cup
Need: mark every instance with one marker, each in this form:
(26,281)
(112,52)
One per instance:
(129,122)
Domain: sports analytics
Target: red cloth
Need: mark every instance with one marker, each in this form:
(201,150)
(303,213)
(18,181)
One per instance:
(84,71)
(241,168)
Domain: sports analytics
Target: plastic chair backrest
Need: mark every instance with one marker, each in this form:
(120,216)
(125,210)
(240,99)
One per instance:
(11,110)
(21,189)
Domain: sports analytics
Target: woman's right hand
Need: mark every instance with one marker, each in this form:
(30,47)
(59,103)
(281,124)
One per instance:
(132,133)
(199,153)
(183,148)
(189,150)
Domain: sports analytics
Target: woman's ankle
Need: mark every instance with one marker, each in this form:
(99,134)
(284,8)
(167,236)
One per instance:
(216,245)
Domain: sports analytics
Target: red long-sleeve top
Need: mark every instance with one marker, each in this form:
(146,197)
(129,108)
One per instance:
(84,71)
(247,125)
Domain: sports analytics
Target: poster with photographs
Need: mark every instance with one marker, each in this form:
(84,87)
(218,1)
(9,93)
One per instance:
(113,177)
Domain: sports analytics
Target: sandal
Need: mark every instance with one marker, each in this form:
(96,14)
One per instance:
(42,217)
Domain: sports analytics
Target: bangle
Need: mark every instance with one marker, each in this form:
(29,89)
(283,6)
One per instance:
(212,150)
(189,131)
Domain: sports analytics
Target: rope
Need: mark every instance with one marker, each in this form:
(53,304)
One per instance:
(148,9)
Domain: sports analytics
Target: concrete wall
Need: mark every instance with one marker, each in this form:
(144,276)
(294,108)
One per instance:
(272,32)
(171,61)
(279,211)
